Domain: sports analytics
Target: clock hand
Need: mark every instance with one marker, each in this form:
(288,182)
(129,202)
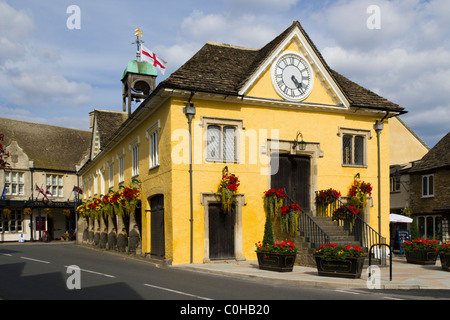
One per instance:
(298,84)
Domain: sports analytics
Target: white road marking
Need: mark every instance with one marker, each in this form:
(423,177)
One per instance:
(6,254)
(35,260)
(345,291)
(175,291)
(392,298)
(95,272)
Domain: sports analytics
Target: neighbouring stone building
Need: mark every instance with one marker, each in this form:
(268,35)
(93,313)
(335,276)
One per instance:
(46,158)
(430,192)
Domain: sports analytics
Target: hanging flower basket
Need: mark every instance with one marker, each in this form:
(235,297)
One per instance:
(326,197)
(273,201)
(228,187)
(82,210)
(27,211)
(6,212)
(289,219)
(358,193)
(130,196)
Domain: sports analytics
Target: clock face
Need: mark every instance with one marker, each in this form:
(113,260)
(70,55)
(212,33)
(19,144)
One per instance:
(292,77)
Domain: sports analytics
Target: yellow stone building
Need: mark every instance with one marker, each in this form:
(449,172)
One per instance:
(276,117)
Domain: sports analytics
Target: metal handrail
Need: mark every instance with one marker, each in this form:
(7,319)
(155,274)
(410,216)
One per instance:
(358,228)
(309,229)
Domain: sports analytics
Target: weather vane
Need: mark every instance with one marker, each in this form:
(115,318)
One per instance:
(138,42)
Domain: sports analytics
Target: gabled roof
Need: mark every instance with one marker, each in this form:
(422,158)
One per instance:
(105,123)
(50,147)
(437,157)
(225,69)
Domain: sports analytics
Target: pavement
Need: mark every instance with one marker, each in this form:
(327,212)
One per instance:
(404,275)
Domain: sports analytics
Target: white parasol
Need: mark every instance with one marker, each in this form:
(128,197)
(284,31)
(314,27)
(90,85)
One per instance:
(399,218)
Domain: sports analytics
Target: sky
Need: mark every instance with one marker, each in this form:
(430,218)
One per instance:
(55,72)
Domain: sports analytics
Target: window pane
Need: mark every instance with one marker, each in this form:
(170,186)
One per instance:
(430,185)
(53,180)
(424,186)
(21,177)
(229,143)
(359,150)
(430,228)
(8,177)
(213,142)
(347,149)
(155,137)
(421,226)
(60,180)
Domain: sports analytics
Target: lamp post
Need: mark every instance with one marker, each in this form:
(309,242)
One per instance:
(378,127)
(189,111)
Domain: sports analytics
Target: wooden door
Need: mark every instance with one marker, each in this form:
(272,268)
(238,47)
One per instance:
(294,175)
(221,232)
(157,226)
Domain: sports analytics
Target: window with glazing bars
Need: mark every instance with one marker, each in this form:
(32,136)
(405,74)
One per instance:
(353,147)
(221,143)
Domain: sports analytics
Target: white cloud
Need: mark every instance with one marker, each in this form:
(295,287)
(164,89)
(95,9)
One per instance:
(48,87)
(407,60)
(16,26)
(261,5)
(20,114)
(199,27)
(243,29)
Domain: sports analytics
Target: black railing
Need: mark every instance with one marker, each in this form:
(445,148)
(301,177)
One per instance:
(309,229)
(356,226)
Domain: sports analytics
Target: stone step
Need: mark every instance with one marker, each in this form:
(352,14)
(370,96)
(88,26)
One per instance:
(337,234)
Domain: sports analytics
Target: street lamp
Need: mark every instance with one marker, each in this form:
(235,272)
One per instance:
(189,111)
(378,127)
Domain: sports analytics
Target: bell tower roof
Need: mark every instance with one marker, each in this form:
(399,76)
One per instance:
(139,67)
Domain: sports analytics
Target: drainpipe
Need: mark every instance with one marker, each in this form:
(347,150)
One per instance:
(378,127)
(189,111)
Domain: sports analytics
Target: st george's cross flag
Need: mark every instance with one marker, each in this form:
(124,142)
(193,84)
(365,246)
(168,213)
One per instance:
(150,57)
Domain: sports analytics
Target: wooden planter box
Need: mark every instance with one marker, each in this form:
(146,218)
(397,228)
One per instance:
(427,257)
(348,268)
(445,261)
(281,262)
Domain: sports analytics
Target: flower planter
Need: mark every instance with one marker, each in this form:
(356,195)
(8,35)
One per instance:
(445,261)
(281,262)
(348,268)
(427,257)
